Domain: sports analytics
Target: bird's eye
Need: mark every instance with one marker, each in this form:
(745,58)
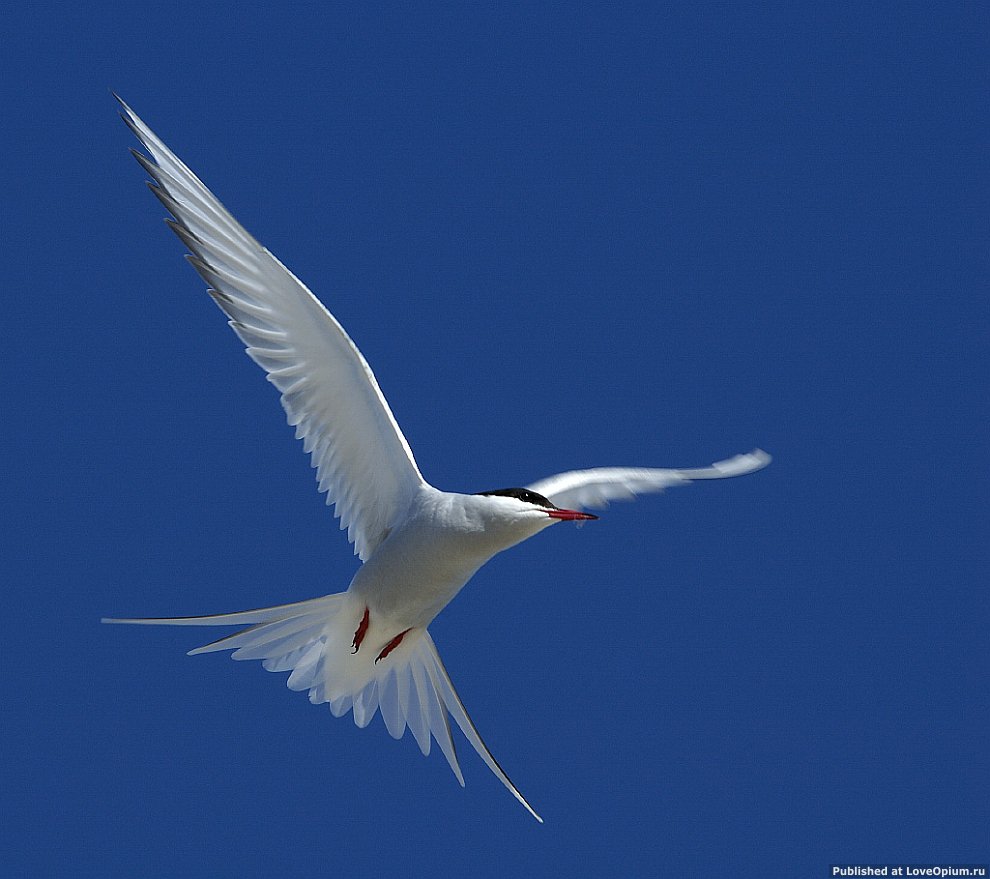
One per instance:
(521,494)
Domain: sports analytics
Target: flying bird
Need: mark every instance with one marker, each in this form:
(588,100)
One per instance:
(367,649)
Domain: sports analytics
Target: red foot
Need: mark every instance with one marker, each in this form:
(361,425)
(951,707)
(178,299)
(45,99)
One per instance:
(388,648)
(362,630)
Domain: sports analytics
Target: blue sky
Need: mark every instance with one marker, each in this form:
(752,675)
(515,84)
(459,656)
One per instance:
(563,236)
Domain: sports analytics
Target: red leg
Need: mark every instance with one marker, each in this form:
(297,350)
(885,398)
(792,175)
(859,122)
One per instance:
(362,630)
(388,648)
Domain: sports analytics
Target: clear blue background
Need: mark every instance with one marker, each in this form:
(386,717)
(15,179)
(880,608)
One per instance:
(564,236)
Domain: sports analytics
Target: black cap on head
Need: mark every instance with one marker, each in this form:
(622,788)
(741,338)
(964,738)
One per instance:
(523,494)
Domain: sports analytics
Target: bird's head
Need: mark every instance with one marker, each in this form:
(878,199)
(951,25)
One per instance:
(529,506)
(498,519)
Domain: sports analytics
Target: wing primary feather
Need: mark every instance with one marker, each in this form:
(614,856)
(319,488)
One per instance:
(342,413)
(597,487)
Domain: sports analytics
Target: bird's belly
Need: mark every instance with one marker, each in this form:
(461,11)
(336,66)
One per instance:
(410,585)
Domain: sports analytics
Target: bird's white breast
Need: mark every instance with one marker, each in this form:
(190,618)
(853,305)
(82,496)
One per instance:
(427,559)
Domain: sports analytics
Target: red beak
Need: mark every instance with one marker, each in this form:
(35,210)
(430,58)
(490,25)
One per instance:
(569,515)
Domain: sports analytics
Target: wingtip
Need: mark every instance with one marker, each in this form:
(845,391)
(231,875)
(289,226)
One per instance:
(132,120)
(127,114)
(741,465)
(760,457)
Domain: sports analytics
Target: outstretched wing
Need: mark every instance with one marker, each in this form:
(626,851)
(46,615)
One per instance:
(329,392)
(595,488)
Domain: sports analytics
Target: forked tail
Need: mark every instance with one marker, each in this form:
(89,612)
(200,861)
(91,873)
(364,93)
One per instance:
(312,640)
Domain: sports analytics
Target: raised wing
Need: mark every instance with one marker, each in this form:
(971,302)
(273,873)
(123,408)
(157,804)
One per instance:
(329,392)
(595,488)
